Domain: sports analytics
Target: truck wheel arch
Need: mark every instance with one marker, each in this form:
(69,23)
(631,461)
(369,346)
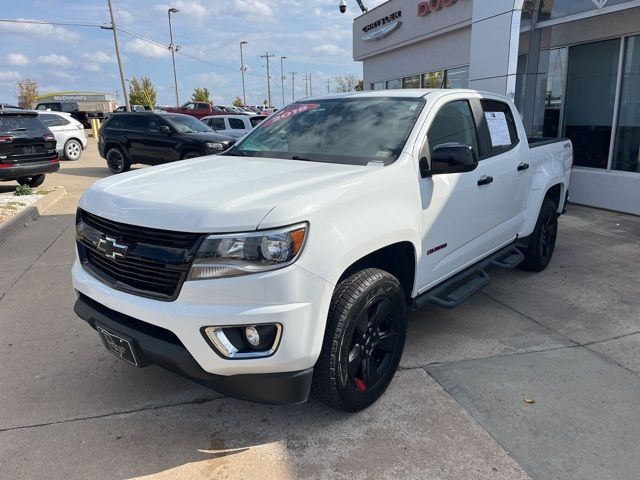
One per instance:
(398,259)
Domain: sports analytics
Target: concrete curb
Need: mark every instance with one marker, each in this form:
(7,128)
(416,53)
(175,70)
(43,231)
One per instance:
(30,213)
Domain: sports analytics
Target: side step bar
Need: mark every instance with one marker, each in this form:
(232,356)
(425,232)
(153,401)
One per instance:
(455,290)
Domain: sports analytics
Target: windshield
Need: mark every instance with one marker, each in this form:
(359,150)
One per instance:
(352,131)
(187,124)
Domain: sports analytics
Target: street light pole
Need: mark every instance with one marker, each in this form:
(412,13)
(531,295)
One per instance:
(293,86)
(173,49)
(242,69)
(282,77)
(120,66)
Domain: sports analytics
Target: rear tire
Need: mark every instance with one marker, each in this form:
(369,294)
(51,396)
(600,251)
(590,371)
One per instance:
(191,155)
(364,340)
(33,182)
(117,161)
(72,150)
(542,241)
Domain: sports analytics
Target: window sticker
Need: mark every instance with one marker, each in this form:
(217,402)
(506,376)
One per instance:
(498,129)
(290,112)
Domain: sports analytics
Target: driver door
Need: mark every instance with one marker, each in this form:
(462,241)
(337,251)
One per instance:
(456,207)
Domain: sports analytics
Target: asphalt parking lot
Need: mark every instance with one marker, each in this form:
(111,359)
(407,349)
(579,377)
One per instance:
(567,340)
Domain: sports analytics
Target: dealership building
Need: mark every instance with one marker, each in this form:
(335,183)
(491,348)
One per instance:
(571,66)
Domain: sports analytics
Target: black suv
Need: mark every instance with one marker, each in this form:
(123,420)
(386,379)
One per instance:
(153,138)
(27,147)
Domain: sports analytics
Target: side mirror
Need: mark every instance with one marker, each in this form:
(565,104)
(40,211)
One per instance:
(164,129)
(450,158)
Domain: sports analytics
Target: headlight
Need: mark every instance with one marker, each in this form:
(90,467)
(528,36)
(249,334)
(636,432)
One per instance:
(215,146)
(244,253)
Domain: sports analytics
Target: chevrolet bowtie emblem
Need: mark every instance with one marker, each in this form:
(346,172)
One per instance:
(111,248)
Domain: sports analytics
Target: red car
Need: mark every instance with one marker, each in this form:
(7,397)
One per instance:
(197,109)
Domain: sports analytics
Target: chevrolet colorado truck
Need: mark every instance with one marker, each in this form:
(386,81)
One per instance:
(287,265)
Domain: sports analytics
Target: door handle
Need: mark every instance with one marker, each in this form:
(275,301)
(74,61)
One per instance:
(485,180)
(523,166)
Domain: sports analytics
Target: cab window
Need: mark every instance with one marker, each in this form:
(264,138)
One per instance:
(498,127)
(454,123)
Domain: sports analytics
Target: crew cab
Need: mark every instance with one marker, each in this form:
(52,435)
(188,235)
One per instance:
(196,109)
(290,262)
(27,148)
(152,138)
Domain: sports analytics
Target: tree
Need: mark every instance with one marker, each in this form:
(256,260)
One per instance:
(143,92)
(27,92)
(265,103)
(200,95)
(347,83)
(238,102)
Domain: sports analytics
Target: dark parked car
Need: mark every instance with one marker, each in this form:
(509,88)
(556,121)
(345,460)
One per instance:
(71,107)
(27,147)
(152,138)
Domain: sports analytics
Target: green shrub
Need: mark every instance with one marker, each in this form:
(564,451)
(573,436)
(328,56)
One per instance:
(23,190)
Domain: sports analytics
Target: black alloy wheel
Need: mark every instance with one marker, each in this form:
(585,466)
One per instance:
(364,340)
(542,242)
(116,161)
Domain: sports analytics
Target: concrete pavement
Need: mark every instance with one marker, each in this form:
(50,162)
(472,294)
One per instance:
(567,338)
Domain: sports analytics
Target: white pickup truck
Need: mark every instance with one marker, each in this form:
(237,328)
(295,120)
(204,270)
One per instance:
(288,264)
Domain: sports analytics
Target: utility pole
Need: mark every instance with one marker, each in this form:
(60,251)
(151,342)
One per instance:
(310,86)
(306,86)
(328,84)
(120,66)
(174,49)
(242,70)
(282,78)
(267,57)
(293,86)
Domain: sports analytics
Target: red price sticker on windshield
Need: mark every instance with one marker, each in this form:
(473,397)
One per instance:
(290,112)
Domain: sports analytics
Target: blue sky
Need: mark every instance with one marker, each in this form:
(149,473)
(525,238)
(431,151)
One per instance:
(314,37)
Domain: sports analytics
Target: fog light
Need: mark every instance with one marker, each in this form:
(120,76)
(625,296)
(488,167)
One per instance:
(252,336)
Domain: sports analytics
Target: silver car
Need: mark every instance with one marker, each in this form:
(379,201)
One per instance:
(70,137)
(233,125)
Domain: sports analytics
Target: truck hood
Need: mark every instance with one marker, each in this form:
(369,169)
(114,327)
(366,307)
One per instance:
(211,194)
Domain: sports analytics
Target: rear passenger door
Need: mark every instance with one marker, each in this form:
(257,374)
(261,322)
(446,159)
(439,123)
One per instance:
(506,156)
(238,127)
(136,134)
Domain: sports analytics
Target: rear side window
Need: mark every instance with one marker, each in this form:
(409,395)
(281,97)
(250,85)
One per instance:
(138,123)
(236,124)
(51,120)
(256,120)
(454,123)
(117,121)
(22,123)
(499,127)
(217,123)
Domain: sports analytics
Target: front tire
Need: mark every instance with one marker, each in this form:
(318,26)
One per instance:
(72,150)
(116,161)
(364,340)
(542,242)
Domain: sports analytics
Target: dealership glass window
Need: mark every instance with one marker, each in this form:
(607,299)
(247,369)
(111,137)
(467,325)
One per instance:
(411,82)
(397,83)
(626,155)
(377,86)
(590,97)
(527,11)
(433,79)
(457,77)
(521,75)
(552,9)
(552,66)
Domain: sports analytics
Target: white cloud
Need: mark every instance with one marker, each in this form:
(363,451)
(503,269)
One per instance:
(145,49)
(99,57)
(17,59)
(328,49)
(55,60)
(11,75)
(211,78)
(31,30)
(92,66)
(256,9)
(63,75)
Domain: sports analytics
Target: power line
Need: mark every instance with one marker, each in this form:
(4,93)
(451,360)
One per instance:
(47,22)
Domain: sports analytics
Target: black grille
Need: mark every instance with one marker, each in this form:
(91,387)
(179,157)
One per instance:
(156,262)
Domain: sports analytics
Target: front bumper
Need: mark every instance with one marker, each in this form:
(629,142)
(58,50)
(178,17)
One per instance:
(29,169)
(161,347)
(292,297)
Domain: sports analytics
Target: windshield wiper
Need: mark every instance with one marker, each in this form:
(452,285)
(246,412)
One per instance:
(19,129)
(236,154)
(302,159)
